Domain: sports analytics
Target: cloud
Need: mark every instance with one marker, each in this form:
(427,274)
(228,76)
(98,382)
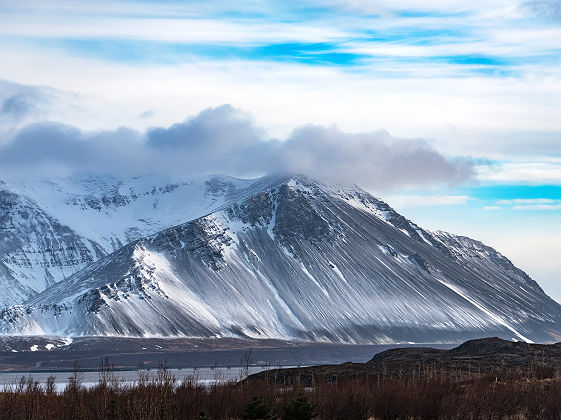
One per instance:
(531,204)
(527,201)
(377,159)
(17,106)
(223,128)
(17,102)
(538,207)
(548,9)
(146,114)
(408,201)
(45,149)
(531,173)
(492,208)
(226,140)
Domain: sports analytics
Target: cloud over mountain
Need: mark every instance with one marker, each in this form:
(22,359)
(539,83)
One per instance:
(226,140)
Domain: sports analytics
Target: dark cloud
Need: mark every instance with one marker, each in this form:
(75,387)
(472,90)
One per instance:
(219,128)
(226,140)
(57,149)
(374,159)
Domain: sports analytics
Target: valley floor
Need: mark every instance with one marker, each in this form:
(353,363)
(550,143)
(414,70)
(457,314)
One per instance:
(36,353)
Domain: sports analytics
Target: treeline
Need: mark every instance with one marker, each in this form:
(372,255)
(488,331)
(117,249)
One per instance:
(505,394)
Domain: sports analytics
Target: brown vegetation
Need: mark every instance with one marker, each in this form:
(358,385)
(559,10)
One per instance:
(507,393)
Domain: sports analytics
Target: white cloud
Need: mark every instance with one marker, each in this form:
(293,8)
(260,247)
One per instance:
(166,30)
(537,207)
(460,111)
(408,201)
(388,6)
(527,201)
(302,94)
(492,208)
(528,204)
(533,173)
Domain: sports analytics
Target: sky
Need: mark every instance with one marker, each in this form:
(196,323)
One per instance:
(448,110)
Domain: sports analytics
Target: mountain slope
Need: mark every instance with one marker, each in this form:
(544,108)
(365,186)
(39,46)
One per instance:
(297,259)
(49,230)
(36,250)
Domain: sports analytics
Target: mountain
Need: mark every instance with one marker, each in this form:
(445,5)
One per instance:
(49,230)
(293,258)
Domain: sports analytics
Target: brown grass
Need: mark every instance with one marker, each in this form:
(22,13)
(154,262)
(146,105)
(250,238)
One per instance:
(505,394)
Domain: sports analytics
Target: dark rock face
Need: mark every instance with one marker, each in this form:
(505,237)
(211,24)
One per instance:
(256,210)
(219,187)
(296,217)
(204,239)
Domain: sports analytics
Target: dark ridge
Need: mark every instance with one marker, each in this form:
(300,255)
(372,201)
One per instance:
(490,346)
(474,357)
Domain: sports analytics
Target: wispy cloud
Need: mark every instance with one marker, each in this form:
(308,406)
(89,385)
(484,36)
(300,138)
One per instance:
(20,104)
(527,204)
(541,172)
(537,207)
(412,200)
(475,39)
(528,201)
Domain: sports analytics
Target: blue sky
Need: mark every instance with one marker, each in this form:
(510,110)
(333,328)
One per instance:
(479,82)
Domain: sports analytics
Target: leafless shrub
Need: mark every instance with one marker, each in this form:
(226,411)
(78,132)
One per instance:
(527,393)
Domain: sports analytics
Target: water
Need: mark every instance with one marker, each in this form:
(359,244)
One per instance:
(203,376)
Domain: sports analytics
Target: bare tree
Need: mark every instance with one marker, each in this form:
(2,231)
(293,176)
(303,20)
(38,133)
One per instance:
(246,361)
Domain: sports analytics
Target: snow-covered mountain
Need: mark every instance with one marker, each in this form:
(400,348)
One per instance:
(291,258)
(49,230)
(36,250)
(113,212)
